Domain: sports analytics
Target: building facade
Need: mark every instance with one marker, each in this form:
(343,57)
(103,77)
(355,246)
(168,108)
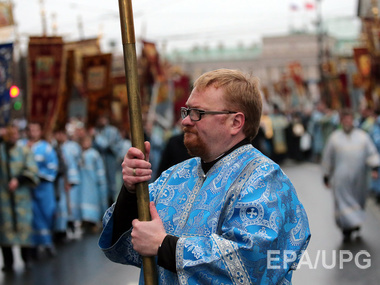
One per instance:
(271,60)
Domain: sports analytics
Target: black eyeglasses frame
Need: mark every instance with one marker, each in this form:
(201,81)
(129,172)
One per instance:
(187,111)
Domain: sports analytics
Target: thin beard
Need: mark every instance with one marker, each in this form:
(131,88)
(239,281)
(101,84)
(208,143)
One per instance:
(198,149)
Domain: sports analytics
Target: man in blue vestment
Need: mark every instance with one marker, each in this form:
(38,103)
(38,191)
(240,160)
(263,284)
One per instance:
(44,202)
(229,215)
(93,186)
(67,215)
(108,141)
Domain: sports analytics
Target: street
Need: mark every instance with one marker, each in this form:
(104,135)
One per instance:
(326,261)
(326,239)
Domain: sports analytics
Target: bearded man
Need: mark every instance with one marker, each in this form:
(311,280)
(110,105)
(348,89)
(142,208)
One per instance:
(216,216)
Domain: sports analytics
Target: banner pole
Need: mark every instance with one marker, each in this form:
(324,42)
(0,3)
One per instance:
(135,115)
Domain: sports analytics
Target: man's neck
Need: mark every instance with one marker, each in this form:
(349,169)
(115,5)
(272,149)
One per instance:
(224,148)
(207,165)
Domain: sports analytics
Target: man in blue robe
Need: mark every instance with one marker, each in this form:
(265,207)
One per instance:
(108,141)
(18,175)
(229,215)
(93,187)
(67,186)
(44,202)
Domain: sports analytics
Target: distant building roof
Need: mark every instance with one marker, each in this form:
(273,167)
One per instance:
(343,27)
(221,52)
(346,31)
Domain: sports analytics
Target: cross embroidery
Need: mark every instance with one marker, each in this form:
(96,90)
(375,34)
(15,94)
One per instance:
(252,213)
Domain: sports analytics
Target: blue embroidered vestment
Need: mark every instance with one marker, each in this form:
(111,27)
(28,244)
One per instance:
(228,222)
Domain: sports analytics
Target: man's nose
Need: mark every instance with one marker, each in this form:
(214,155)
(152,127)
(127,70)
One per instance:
(187,121)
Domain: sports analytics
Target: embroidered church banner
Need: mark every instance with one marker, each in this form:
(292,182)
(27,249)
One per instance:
(150,71)
(97,84)
(6,15)
(46,70)
(74,51)
(181,93)
(80,49)
(7,26)
(120,115)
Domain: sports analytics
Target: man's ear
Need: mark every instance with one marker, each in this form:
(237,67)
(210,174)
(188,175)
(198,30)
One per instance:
(237,123)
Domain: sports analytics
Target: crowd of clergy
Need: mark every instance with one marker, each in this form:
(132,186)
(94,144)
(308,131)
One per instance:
(55,189)
(66,182)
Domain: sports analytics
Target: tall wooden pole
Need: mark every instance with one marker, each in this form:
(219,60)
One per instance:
(137,131)
(43,18)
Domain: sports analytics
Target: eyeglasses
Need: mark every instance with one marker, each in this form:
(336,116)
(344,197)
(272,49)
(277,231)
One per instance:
(196,114)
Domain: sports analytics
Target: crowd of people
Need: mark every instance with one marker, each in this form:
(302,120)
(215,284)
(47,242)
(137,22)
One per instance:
(346,144)
(53,189)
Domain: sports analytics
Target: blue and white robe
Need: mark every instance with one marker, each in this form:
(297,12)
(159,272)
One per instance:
(229,222)
(68,208)
(44,202)
(93,187)
(108,141)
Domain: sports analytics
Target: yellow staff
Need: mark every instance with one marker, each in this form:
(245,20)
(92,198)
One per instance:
(137,131)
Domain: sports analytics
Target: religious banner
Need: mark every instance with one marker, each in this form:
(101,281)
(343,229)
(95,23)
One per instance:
(6,61)
(120,103)
(150,71)
(153,65)
(97,84)
(6,14)
(7,26)
(344,89)
(295,72)
(296,85)
(363,61)
(75,51)
(62,112)
(80,49)
(181,93)
(46,73)
(161,109)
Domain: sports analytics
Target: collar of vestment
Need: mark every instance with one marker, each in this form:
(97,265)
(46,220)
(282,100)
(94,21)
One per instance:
(206,166)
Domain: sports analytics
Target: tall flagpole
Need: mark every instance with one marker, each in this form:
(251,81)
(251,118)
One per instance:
(137,131)
(43,18)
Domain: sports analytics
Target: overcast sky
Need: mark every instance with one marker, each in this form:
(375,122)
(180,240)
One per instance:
(180,24)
